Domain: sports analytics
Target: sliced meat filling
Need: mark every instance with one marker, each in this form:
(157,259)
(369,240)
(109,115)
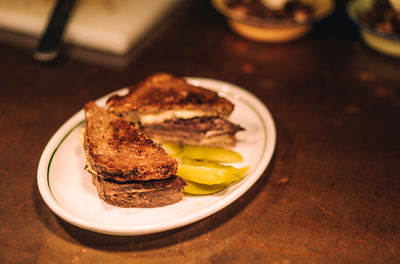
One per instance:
(213,131)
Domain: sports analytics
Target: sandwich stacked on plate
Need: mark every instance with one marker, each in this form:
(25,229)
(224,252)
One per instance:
(128,168)
(169,109)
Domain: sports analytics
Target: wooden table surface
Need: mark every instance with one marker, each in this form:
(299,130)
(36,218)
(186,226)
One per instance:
(330,195)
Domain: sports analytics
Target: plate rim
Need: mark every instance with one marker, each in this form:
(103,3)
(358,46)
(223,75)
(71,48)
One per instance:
(77,119)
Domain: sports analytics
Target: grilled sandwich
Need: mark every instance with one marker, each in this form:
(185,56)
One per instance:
(168,109)
(128,168)
(141,194)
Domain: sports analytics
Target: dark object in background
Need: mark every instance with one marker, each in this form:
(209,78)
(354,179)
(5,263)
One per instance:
(294,11)
(383,18)
(47,49)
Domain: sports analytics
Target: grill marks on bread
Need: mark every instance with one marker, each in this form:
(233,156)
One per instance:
(119,152)
(167,108)
(123,135)
(162,92)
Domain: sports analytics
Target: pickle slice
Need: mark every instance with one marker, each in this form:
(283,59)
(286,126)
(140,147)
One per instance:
(201,189)
(204,153)
(209,172)
(172,149)
(201,168)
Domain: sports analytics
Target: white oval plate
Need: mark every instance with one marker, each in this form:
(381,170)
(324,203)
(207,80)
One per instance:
(68,191)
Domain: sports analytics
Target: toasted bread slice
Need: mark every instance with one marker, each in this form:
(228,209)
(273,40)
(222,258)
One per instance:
(162,96)
(144,194)
(116,150)
(167,108)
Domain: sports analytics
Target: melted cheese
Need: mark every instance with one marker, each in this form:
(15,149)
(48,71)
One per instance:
(171,114)
(90,169)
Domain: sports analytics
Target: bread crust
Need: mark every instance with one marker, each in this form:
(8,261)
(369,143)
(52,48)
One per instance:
(166,108)
(162,92)
(116,150)
(148,194)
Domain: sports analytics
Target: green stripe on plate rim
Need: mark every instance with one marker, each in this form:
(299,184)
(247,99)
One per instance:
(55,150)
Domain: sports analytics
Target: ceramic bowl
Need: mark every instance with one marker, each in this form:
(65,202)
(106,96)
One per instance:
(273,30)
(383,43)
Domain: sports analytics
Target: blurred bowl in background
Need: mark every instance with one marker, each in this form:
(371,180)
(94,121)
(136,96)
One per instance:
(388,44)
(274,30)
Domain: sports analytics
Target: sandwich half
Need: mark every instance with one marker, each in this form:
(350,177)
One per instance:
(128,168)
(141,194)
(168,109)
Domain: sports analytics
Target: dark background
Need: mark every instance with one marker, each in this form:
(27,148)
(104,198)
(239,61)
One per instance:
(330,195)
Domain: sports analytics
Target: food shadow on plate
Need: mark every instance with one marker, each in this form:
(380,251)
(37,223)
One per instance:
(172,237)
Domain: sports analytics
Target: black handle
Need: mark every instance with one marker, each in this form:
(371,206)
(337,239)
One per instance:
(49,43)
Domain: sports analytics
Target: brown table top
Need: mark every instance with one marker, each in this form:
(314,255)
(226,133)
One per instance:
(330,195)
